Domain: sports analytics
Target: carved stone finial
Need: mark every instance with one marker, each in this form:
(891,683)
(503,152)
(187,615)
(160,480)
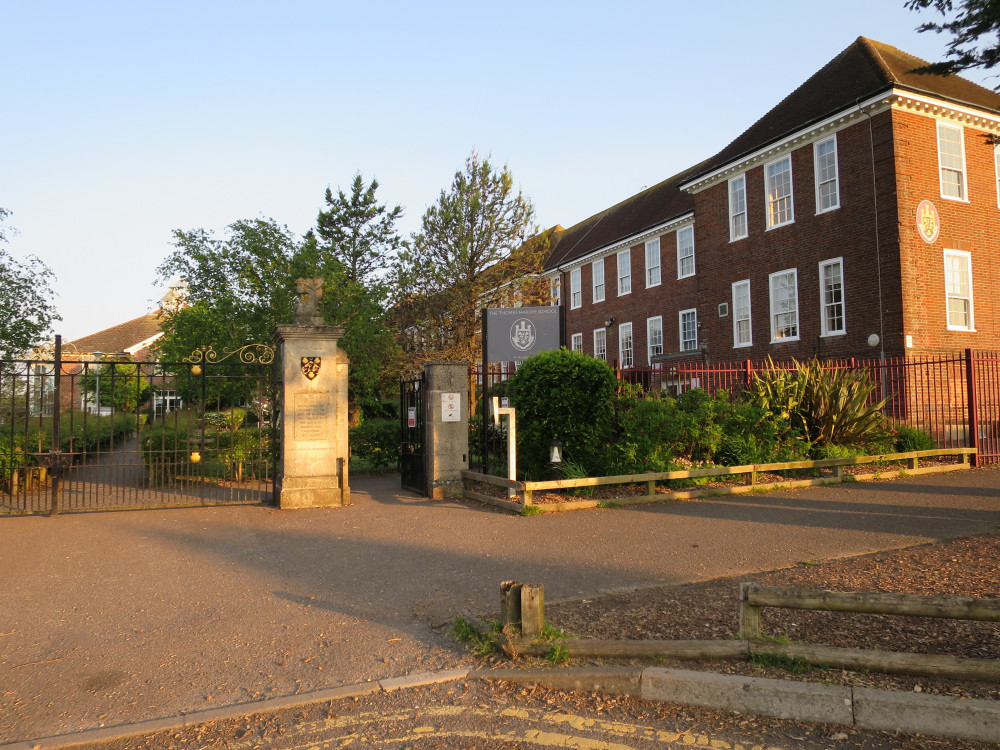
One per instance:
(307,309)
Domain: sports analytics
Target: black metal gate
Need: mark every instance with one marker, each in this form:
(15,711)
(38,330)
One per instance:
(411,437)
(79,433)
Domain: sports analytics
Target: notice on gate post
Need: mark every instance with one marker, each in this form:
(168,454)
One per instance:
(411,416)
(451,406)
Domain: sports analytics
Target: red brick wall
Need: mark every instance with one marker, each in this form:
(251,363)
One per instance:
(973,226)
(848,232)
(887,165)
(666,300)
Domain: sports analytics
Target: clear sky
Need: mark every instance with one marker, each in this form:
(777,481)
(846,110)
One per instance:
(121,121)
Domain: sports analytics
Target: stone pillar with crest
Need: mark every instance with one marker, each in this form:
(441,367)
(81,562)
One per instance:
(314,449)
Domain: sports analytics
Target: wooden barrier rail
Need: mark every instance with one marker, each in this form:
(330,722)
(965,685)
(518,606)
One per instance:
(753,597)
(752,472)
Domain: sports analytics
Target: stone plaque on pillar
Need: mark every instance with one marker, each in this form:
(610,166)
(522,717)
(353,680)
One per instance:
(314,449)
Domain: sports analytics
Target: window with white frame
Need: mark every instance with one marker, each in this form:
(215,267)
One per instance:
(958,290)
(785,305)
(654,337)
(624,272)
(951,161)
(555,288)
(742,333)
(688,320)
(597,275)
(685,252)
(653,262)
(831,293)
(625,358)
(827,175)
(575,289)
(738,207)
(600,343)
(778,184)
(576,342)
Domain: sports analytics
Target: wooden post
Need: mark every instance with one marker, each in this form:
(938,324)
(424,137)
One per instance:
(510,604)
(838,472)
(753,476)
(651,488)
(749,615)
(532,609)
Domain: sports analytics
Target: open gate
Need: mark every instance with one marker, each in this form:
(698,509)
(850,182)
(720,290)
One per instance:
(411,438)
(86,434)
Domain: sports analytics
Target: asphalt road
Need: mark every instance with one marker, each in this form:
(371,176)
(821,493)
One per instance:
(108,618)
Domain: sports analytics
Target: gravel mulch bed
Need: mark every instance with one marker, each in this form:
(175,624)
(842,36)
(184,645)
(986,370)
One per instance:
(709,611)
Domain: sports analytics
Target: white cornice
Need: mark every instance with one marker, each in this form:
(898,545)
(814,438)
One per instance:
(832,124)
(926,105)
(676,223)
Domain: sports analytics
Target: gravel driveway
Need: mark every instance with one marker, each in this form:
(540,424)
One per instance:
(108,618)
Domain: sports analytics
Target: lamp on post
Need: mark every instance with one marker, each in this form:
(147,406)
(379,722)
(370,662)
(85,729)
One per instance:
(555,452)
(555,460)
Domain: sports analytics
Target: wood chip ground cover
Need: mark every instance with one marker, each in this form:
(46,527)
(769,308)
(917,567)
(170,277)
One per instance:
(709,611)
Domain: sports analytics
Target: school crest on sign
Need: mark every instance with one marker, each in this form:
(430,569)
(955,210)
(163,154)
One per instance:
(310,367)
(522,334)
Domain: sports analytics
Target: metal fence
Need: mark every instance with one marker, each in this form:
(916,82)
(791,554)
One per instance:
(953,397)
(78,434)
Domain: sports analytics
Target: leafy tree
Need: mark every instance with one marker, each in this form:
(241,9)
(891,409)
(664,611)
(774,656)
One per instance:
(26,309)
(359,232)
(472,250)
(353,246)
(122,385)
(238,288)
(974,30)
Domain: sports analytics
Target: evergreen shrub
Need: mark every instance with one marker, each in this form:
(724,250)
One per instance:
(566,396)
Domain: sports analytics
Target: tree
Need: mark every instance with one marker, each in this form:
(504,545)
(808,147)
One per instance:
(472,250)
(238,288)
(26,309)
(354,244)
(359,232)
(973,21)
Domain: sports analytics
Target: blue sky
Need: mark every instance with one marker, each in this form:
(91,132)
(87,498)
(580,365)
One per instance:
(122,120)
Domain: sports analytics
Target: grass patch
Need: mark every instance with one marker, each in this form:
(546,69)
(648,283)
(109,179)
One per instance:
(483,645)
(557,654)
(532,510)
(551,633)
(797,665)
(609,504)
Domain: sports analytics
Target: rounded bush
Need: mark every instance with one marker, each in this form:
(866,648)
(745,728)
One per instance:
(566,396)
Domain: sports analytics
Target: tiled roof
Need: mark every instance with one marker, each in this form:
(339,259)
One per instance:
(119,338)
(645,210)
(860,72)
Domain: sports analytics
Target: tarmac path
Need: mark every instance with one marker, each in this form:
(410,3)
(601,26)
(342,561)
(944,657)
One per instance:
(109,618)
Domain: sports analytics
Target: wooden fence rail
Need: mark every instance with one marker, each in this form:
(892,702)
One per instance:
(751,471)
(753,597)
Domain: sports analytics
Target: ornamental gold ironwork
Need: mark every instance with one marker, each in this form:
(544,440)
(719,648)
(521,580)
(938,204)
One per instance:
(251,354)
(310,366)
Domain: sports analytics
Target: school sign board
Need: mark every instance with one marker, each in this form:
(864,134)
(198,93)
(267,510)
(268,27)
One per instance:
(514,333)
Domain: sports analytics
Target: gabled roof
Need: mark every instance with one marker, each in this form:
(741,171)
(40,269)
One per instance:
(863,70)
(124,337)
(650,208)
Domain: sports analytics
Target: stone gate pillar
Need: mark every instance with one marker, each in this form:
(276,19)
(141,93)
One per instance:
(446,420)
(312,472)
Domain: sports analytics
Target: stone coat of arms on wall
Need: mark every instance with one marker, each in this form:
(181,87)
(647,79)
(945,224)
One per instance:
(310,367)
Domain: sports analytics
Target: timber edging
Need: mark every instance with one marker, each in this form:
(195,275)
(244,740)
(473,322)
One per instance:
(527,488)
